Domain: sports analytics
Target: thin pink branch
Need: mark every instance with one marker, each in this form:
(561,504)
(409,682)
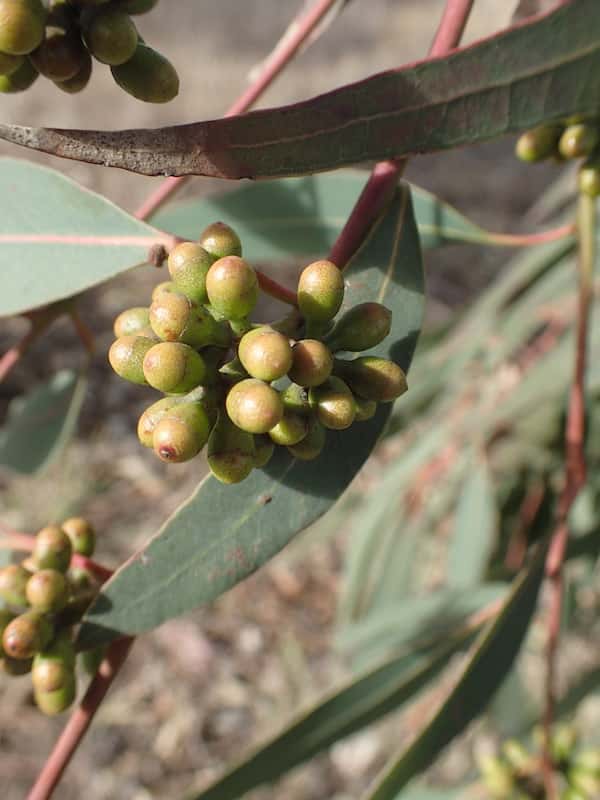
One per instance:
(165,239)
(285,50)
(451,28)
(276,290)
(531,239)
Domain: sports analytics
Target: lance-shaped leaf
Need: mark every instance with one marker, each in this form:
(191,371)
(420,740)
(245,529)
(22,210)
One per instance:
(544,69)
(303,216)
(493,656)
(40,423)
(58,238)
(223,533)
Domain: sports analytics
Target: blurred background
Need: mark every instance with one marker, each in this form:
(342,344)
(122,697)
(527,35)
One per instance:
(203,688)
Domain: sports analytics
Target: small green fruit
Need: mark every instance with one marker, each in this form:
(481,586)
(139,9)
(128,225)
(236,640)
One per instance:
(13,582)
(578,141)
(60,57)
(6,616)
(539,143)
(265,354)
(126,357)
(563,742)
(290,430)
(334,404)
(569,793)
(220,241)
(26,635)
(47,591)
(254,406)
(589,178)
(231,451)
(497,776)
(312,363)
(53,667)
(52,703)
(9,63)
(147,76)
(173,367)
(165,286)
(111,36)
(584,782)
(22,25)
(181,433)
(131,321)
(320,291)
(175,318)
(365,409)
(518,756)
(373,378)
(82,535)
(151,417)
(313,443)
(81,79)
(20,80)
(264,448)
(360,328)
(232,287)
(52,549)
(188,266)
(588,761)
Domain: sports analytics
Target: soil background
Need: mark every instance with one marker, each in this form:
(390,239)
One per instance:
(202,689)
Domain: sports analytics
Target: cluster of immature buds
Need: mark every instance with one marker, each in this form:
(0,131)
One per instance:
(44,598)
(61,39)
(576,137)
(243,388)
(517,774)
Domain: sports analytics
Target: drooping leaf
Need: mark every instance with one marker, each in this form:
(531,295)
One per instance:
(366,699)
(58,238)
(223,533)
(543,69)
(39,423)
(474,529)
(303,216)
(493,656)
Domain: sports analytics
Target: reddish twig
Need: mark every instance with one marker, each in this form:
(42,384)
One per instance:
(451,27)
(530,239)
(80,721)
(39,321)
(276,290)
(517,545)
(295,36)
(85,334)
(575,470)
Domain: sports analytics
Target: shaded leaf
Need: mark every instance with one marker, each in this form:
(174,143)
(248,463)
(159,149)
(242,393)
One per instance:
(542,70)
(493,656)
(58,238)
(39,423)
(366,699)
(474,529)
(223,533)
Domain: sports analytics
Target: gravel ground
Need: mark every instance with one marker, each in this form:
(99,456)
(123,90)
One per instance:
(203,688)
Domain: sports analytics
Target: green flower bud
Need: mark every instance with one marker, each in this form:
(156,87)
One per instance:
(60,56)
(81,79)
(82,535)
(22,26)
(9,63)
(589,178)
(588,761)
(312,363)
(13,581)
(147,76)
(313,443)
(6,616)
(539,143)
(19,80)
(360,328)
(110,35)
(175,318)
(563,742)
(131,321)
(254,406)
(291,429)
(165,286)
(365,409)
(578,141)
(295,399)
(264,448)
(52,549)
(81,581)
(26,635)
(47,590)
(126,357)
(151,417)
(52,703)
(173,367)
(373,378)
(497,776)
(584,782)
(232,287)
(181,433)
(91,659)
(188,266)
(569,793)
(518,756)
(53,667)
(231,451)
(137,6)
(220,241)
(266,354)
(334,404)
(320,291)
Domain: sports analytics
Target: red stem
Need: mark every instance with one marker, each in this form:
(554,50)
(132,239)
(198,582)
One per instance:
(297,33)
(276,290)
(80,721)
(451,27)
(530,239)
